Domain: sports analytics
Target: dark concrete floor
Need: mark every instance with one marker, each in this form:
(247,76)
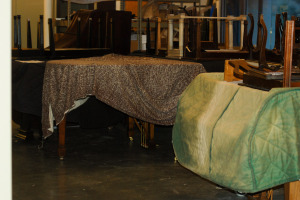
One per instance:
(104,164)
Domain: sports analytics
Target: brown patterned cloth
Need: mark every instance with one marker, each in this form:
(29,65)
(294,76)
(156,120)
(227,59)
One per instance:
(142,87)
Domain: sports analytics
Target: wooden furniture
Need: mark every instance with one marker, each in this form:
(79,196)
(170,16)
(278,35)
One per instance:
(260,52)
(152,28)
(292,189)
(91,33)
(142,87)
(266,74)
(52,52)
(95,30)
(26,91)
(288,52)
(198,52)
(146,130)
(253,76)
(17,50)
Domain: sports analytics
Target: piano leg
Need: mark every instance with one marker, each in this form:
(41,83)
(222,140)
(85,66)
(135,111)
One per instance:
(146,129)
(130,128)
(151,132)
(61,139)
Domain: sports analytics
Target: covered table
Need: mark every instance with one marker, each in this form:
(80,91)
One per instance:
(27,85)
(238,137)
(142,87)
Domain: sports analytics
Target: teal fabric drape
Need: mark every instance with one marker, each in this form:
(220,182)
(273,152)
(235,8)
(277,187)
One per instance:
(238,137)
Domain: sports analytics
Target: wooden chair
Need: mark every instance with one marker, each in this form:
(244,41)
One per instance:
(28,53)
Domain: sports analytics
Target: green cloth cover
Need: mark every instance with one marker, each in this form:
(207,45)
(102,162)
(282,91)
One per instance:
(241,138)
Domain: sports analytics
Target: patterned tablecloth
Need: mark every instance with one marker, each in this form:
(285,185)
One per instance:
(142,87)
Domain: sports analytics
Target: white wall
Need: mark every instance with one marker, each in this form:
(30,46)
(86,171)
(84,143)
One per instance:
(5,106)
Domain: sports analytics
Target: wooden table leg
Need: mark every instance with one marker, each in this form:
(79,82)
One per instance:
(146,129)
(61,139)
(292,191)
(145,135)
(130,130)
(151,139)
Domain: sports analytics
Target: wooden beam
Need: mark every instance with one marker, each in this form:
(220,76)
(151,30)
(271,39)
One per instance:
(292,191)
(288,52)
